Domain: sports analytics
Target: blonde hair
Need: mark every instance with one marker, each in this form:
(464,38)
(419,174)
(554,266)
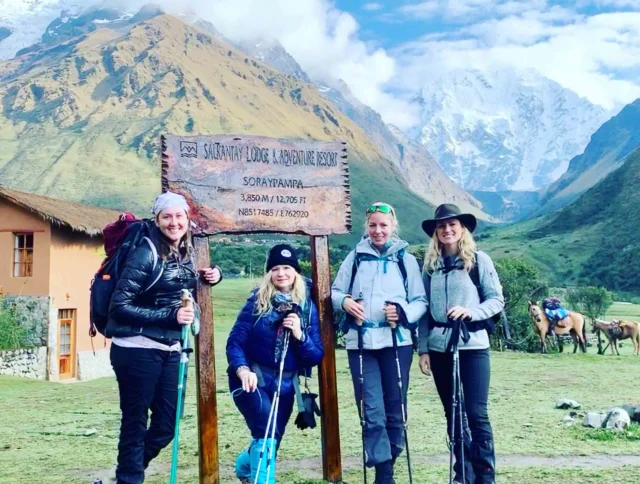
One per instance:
(466,251)
(392,216)
(267,290)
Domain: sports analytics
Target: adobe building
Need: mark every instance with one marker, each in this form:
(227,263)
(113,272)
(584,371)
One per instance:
(49,252)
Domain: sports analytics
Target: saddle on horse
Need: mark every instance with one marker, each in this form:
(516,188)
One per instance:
(555,313)
(616,329)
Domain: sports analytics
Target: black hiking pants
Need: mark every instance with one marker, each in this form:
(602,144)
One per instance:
(475,372)
(147,380)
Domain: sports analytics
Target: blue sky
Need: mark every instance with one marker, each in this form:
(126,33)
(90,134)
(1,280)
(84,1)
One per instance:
(383,25)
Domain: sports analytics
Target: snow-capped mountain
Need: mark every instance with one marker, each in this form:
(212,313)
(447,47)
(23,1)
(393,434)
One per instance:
(504,130)
(25,21)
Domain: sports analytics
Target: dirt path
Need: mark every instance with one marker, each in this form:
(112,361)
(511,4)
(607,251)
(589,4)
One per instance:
(313,467)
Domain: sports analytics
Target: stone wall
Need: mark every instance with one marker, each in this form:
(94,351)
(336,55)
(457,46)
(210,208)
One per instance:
(29,363)
(92,366)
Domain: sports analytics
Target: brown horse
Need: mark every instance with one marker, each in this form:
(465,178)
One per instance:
(619,330)
(573,324)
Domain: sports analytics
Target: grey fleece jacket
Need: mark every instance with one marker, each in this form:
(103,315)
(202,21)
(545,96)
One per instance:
(380,281)
(456,288)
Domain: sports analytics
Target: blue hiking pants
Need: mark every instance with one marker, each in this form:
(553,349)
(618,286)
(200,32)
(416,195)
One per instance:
(255,406)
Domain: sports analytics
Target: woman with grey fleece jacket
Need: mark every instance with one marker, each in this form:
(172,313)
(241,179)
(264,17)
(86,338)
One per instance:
(453,295)
(376,298)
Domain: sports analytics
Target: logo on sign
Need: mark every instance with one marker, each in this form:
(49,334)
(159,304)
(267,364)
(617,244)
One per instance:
(188,149)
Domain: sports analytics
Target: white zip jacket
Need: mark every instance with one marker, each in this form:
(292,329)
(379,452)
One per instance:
(380,281)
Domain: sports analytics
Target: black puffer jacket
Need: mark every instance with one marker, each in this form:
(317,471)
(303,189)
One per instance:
(153,313)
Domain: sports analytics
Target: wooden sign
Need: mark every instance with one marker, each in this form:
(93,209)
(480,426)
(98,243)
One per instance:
(242,184)
(252,184)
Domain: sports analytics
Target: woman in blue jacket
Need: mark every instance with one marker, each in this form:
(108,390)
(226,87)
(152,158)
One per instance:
(255,348)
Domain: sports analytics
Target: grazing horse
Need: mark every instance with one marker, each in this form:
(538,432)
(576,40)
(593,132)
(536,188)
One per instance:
(619,330)
(573,324)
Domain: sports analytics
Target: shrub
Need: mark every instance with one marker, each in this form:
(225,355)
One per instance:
(12,333)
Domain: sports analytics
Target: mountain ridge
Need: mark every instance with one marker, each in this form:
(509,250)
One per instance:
(98,103)
(504,129)
(607,150)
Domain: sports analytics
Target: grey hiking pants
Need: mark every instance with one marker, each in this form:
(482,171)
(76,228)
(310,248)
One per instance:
(384,432)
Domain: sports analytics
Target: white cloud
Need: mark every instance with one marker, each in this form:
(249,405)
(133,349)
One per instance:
(372,7)
(591,55)
(611,3)
(460,10)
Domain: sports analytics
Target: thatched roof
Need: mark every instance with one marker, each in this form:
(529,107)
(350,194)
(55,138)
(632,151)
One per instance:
(78,217)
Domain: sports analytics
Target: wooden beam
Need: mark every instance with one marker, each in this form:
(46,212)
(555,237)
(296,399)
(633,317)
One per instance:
(331,458)
(205,357)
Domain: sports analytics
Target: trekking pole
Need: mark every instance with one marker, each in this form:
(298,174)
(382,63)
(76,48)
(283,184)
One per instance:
(285,347)
(456,411)
(266,435)
(362,417)
(187,302)
(394,334)
(460,414)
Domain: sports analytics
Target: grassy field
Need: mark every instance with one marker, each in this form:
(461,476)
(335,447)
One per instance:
(559,257)
(42,439)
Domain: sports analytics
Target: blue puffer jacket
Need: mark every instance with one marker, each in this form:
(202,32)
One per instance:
(253,340)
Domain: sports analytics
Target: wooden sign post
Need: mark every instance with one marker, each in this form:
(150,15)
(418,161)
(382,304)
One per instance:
(252,184)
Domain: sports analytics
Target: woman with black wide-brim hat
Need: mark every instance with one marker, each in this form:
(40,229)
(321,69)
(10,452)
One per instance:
(463,291)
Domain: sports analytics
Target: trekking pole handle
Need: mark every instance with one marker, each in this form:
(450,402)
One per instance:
(392,324)
(360,301)
(187,299)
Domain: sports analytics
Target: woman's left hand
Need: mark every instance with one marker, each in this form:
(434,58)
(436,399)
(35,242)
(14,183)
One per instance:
(292,322)
(211,275)
(458,312)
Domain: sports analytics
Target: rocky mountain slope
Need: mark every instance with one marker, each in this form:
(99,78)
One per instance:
(608,149)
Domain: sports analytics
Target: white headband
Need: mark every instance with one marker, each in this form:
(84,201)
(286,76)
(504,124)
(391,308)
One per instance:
(169,200)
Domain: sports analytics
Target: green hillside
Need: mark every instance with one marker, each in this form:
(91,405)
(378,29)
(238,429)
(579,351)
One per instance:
(592,241)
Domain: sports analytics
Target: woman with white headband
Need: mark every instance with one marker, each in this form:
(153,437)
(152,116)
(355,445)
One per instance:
(146,323)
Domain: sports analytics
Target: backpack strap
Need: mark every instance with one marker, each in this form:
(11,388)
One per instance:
(154,251)
(354,270)
(403,272)
(401,266)
(474,274)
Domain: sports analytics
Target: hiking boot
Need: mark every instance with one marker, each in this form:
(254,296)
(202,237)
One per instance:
(243,465)
(260,467)
(384,473)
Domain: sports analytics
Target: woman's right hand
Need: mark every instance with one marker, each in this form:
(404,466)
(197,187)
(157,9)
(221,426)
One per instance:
(185,315)
(425,364)
(249,380)
(353,308)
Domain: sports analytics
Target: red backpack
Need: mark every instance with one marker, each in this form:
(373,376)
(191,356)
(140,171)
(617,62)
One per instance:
(120,238)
